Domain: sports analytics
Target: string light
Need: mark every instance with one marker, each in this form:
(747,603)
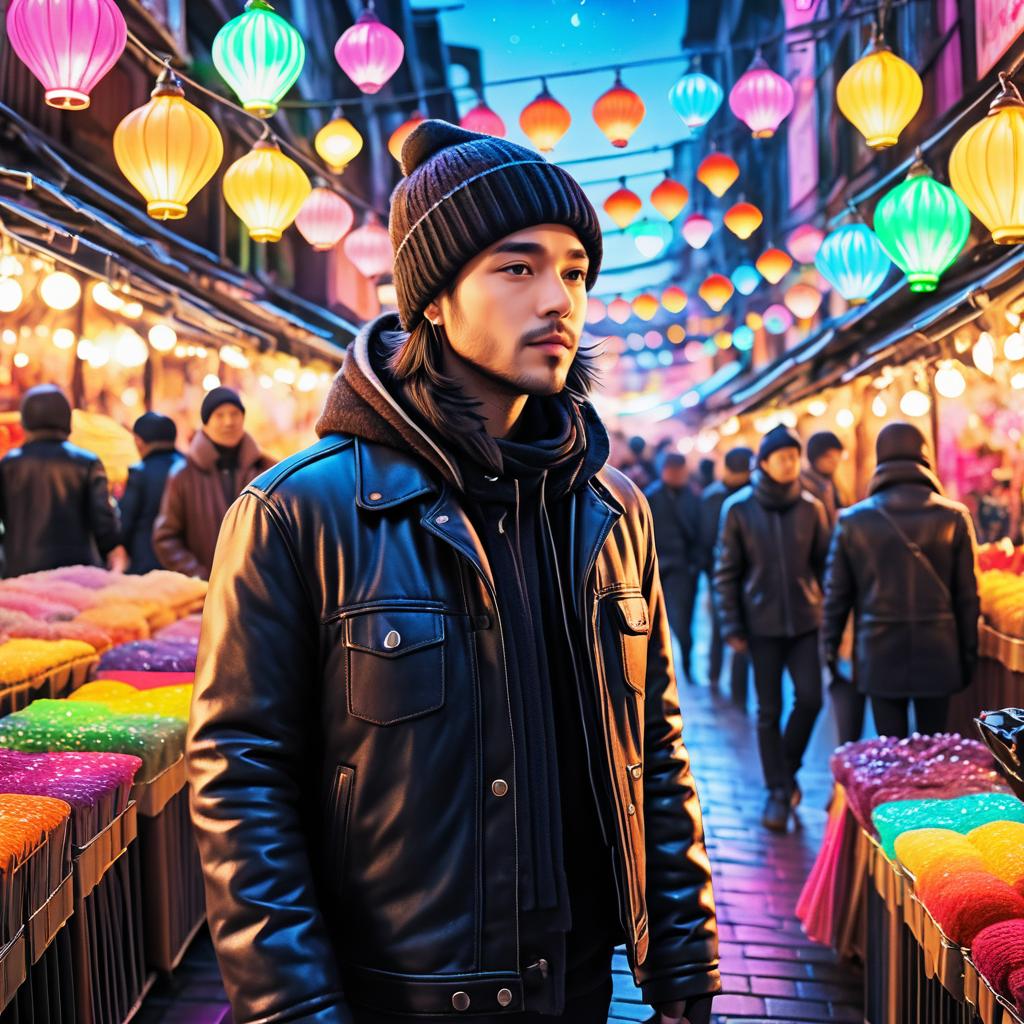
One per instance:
(59,290)
(11,295)
(949,381)
(777,319)
(645,306)
(817,407)
(879,407)
(64,338)
(650,237)
(163,337)
(915,403)
(596,310)
(1013,347)
(845,418)
(619,310)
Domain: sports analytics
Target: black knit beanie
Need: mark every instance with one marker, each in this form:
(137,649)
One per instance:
(738,460)
(154,428)
(215,399)
(775,440)
(902,442)
(46,407)
(821,443)
(463,192)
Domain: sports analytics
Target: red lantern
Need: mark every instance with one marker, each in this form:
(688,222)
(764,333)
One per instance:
(324,219)
(718,173)
(619,310)
(401,133)
(369,249)
(669,197)
(645,306)
(618,113)
(743,219)
(545,121)
(484,120)
(623,205)
(773,265)
(697,230)
(674,299)
(716,290)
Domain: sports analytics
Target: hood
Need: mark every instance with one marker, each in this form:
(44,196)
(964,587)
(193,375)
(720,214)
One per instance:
(202,453)
(903,471)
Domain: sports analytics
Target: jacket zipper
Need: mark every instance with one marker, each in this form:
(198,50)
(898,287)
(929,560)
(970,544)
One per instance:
(787,615)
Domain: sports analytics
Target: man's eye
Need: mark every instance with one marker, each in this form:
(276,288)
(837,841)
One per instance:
(517,269)
(577,275)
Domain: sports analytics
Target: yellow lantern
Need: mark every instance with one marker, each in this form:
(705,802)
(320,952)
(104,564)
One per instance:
(879,94)
(986,167)
(338,142)
(266,189)
(743,219)
(168,149)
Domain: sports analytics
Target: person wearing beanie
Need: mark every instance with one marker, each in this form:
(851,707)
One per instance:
(55,504)
(772,545)
(421,786)
(221,461)
(903,562)
(155,437)
(824,454)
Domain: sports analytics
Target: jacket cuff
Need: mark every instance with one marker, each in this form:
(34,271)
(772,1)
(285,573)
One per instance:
(685,989)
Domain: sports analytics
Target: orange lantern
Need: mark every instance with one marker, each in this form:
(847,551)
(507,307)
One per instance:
(645,306)
(623,205)
(802,300)
(716,290)
(773,265)
(618,113)
(718,173)
(674,299)
(743,219)
(545,120)
(401,133)
(669,197)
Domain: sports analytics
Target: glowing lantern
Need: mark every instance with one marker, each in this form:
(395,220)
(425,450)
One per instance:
(645,306)
(596,310)
(338,142)
(168,149)
(650,237)
(669,197)
(483,120)
(723,340)
(718,173)
(369,249)
(802,300)
(369,52)
(923,226)
(915,403)
(401,133)
(754,321)
(676,333)
(716,290)
(743,338)
(743,219)
(697,230)
(695,98)
(949,381)
(59,290)
(545,120)
(879,94)
(623,205)
(674,299)
(777,319)
(266,189)
(745,278)
(324,219)
(619,310)
(804,242)
(761,99)
(1013,347)
(11,295)
(260,56)
(984,354)
(854,262)
(163,337)
(69,45)
(986,167)
(773,265)
(618,113)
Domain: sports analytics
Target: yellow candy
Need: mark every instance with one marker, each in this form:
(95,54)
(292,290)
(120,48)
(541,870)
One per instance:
(1001,845)
(919,850)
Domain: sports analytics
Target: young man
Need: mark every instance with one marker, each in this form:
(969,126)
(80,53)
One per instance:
(771,557)
(824,454)
(435,745)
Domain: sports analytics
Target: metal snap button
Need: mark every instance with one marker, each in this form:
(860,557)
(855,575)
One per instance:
(375,495)
(504,997)
(631,809)
(392,640)
(636,771)
(460,1001)
(499,787)
(491,480)
(441,520)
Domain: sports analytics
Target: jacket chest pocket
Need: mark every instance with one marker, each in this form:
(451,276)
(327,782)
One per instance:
(394,664)
(631,619)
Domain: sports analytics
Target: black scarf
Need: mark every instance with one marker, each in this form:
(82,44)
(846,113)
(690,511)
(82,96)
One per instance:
(772,495)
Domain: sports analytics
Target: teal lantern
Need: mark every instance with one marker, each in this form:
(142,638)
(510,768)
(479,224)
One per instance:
(745,278)
(854,262)
(743,338)
(695,98)
(260,56)
(650,237)
(924,226)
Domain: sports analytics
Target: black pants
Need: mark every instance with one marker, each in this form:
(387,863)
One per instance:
(680,589)
(782,751)
(848,705)
(892,715)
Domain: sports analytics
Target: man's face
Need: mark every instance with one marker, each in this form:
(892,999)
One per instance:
(226,426)
(783,466)
(734,480)
(675,476)
(828,463)
(517,310)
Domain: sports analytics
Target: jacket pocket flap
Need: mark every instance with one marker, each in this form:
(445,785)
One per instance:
(633,614)
(392,633)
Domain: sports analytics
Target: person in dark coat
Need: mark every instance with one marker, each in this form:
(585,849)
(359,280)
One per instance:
(824,454)
(903,561)
(140,504)
(675,507)
(705,475)
(55,504)
(770,561)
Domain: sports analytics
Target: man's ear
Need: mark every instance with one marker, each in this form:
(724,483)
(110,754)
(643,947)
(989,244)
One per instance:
(433,313)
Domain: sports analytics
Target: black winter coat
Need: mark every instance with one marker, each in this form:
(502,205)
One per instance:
(711,502)
(140,504)
(676,528)
(916,615)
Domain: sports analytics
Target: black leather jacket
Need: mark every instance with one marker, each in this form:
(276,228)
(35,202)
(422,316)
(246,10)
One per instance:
(140,505)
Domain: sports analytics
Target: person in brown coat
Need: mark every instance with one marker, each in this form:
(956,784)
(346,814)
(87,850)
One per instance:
(221,461)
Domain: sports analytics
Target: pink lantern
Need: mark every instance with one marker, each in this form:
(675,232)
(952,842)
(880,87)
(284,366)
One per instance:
(802,300)
(777,319)
(697,230)
(596,310)
(484,120)
(369,249)
(761,99)
(620,310)
(69,45)
(369,52)
(804,242)
(324,218)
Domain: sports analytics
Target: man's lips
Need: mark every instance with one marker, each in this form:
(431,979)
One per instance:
(553,338)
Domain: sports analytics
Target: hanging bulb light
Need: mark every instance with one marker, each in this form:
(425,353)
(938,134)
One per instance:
(845,418)
(324,218)
(69,45)
(369,52)
(949,381)
(879,407)
(618,113)
(754,321)
(879,94)
(623,205)
(650,237)
(168,149)
(804,242)
(695,98)
(915,403)
(817,407)
(483,120)
(266,189)
(11,294)
(674,299)
(338,142)
(777,319)
(619,310)
(596,310)
(773,264)
(669,197)
(761,99)
(401,133)
(545,121)
(163,337)
(743,219)
(676,333)
(746,278)
(59,290)
(716,290)
(854,262)
(1013,347)
(369,249)
(697,230)
(984,354)
(923,226)
(802,300)
(718,172)
(986,167)
(645,306)
(259,55)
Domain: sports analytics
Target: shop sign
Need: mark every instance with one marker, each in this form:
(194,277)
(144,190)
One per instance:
(997,23)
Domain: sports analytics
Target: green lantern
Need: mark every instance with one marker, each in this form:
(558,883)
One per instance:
(260,56)
(923,225)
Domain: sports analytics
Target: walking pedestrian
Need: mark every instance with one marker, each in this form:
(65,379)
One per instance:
(824,455)
(421,785)
(902,561)
(222,459)
(768,570)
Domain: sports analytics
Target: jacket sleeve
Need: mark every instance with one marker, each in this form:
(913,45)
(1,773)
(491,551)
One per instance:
(250,729)
(839,595)
(730,568)
(169,533)
(682,955)
(131,502)
(708,532)
(966,606)
(822,539)
(103,517)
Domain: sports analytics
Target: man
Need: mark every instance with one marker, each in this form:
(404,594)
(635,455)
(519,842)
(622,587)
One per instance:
(675,508)
(824,454)
(421,785)
(221,461)
(154,438)
(55,505)
(771,556)
(902,561)
(705,475)
(735,476)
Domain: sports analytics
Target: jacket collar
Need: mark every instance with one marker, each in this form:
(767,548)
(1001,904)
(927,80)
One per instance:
(903,471)
(387,477)
(202,453)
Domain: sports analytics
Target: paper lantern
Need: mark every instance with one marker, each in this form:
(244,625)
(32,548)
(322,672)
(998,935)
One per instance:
(623,205)
(761,99)
(401,133)
(618,113)
(743,338)
(650,237)
(338,142)
(697,230)
(854,262)
(804,242)
(69,45)
(168,149)
(949,381)
(986,167)
(879,94)
(369,52)
(59,290)
(743,219)
(674,299)
(716,290)
(773,265)
(645,306)
(923,226)
(369,249)
(260,56)
(596,310)
(802,300)
(777,319)
(619,310)
(695,98)
(484,120)
(545,121)
(718,173)
(746,278)
(915,403)
(669,197)
(266,190)
(324,219)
